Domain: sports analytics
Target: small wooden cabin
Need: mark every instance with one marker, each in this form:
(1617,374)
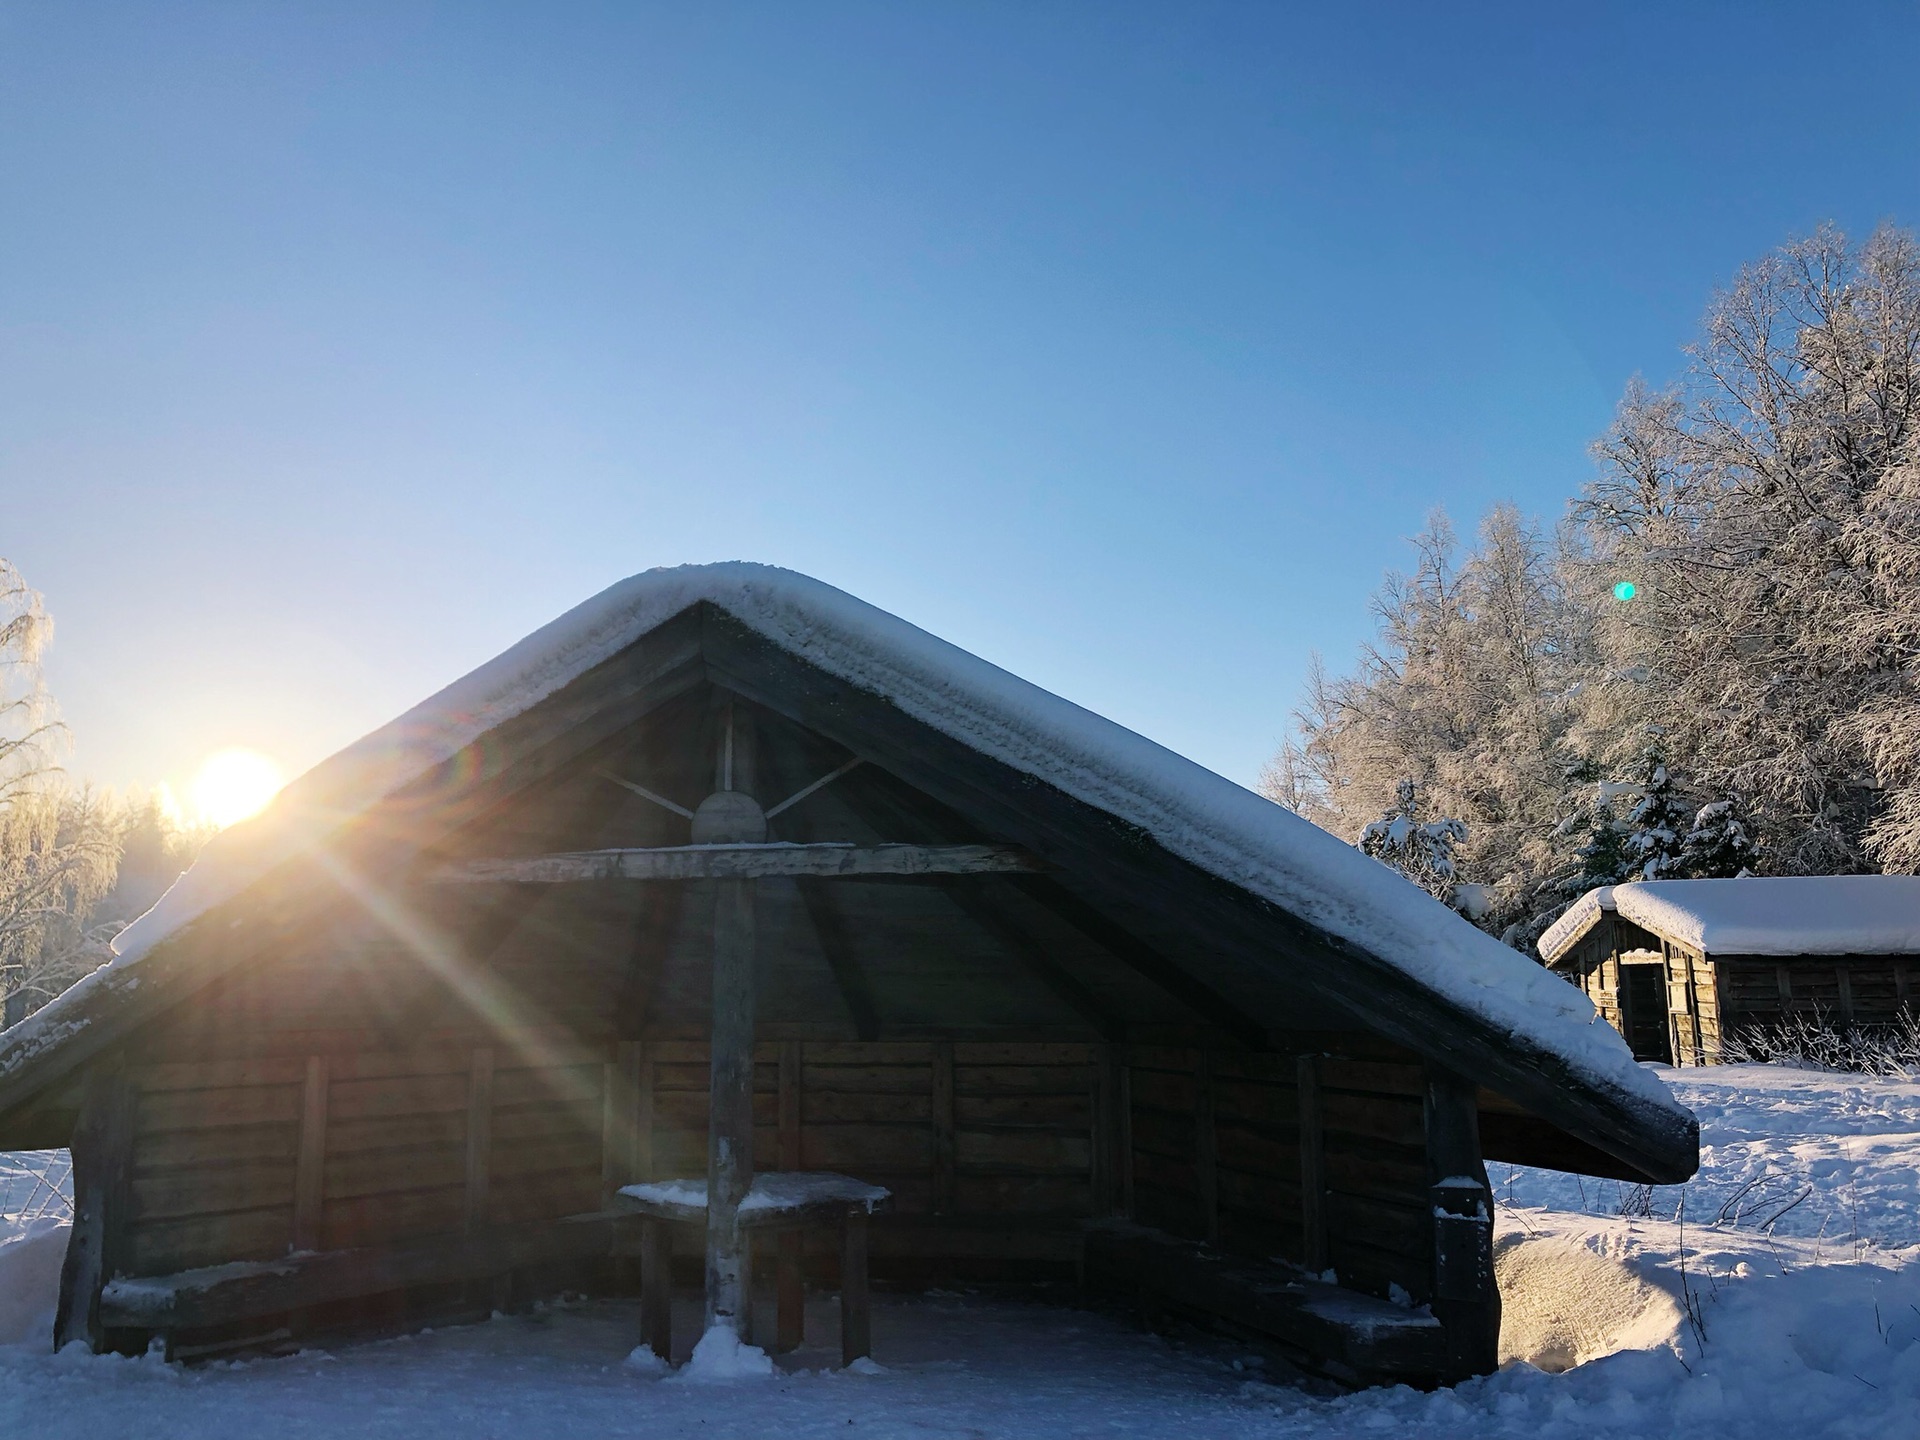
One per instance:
(727,870)
(1676,965)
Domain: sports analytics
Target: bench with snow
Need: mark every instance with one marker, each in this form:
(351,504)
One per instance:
(1354,1338)
(779,1201)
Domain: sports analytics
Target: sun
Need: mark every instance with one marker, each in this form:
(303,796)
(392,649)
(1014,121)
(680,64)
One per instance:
(235,784)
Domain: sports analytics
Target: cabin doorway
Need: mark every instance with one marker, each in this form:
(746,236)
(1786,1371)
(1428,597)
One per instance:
(1643,1004)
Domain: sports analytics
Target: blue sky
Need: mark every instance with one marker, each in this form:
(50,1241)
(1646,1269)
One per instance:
(341,346)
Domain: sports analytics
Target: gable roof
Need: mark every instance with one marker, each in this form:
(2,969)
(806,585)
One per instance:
(1213,824)
(1785,915)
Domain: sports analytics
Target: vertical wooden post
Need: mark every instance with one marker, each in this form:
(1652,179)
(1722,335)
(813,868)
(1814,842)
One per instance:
(1466,1299)
(102,1149)
(1844,982)
(479,1135)
(656,1287)
(1206,1146)
(1313,1165)
(856,1314)
(730,1102)
(944,1147)
(1126,1137)
(310,1170)
(790,1317)
(1901,994)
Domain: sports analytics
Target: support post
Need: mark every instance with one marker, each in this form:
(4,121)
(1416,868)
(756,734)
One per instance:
(790,1282)
(1466,1299)
(730,1101)
(656,1287)
(102,1176)
(856,1311)
(1313,1165)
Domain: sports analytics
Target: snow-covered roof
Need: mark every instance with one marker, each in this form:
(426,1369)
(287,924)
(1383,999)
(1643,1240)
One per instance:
(1575,921)
(1785,915)
(1208,820)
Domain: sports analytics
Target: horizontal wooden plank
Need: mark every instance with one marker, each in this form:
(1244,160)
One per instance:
(577,1084)
(871,1079)
(856,1149)
(878,1107)
(1022,1194)
(212,1190)
(1022,1053)
(1250,1101)
(157,1247)
(381,1172)
(1062,1112)
(216,1109)
(866,1052)
(395,1132)
(1372,1077)
(218,1074)
(1383,1118)
(399,1095)
(178,1149)
(1155,1090)
(1026,1151)
(387,1218)
(1021,1079)
(723,862)
(1160,1134)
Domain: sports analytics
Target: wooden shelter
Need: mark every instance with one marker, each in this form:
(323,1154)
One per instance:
(728,872)
(1676,966)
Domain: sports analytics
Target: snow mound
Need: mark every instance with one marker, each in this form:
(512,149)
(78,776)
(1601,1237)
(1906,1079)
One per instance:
(720,1357)
(1564,1302)
(30,1281)
(642,1360)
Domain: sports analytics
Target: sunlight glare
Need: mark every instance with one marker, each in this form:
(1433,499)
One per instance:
(235,784)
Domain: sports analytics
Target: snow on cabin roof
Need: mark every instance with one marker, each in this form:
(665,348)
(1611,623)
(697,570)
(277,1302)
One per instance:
(1575,921)
(1206,819)
(1792,915)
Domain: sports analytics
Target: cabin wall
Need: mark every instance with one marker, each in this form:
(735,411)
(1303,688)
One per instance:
(1316,1154)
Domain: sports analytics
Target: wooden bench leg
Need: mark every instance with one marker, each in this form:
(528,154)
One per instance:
(747,1247)
(856,1313)
(790,1324)
(656,1288)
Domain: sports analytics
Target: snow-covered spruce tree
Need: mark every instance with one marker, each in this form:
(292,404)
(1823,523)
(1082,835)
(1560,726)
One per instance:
(1420,849)
(1717,845)
(1657,825)
(1602,856)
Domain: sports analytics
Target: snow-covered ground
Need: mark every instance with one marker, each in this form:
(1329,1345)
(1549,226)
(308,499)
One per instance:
(1667,1324)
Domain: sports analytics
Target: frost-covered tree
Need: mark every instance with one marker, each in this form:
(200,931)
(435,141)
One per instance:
(1419,848)
(58,847)
(1657,824)
(1717,844)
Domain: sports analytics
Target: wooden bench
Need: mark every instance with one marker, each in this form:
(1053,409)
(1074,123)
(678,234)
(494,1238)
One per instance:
(1354,1338)
(779,1201)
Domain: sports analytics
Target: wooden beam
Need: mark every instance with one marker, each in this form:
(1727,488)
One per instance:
(856,1312)
(741,862)
(656,1287)
(836,945)
(789,1279)
(102,1175)
(310,1170)
(1313,1164)
(730,1105)
(1466,1299)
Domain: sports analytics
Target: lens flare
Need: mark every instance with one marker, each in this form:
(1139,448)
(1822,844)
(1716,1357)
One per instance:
(235,784)
(1625,590)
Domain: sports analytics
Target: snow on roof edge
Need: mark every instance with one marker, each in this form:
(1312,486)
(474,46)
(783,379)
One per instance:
(1205,818)
(1574,922)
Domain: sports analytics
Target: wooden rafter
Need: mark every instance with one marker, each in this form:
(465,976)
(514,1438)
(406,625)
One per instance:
(737,862)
